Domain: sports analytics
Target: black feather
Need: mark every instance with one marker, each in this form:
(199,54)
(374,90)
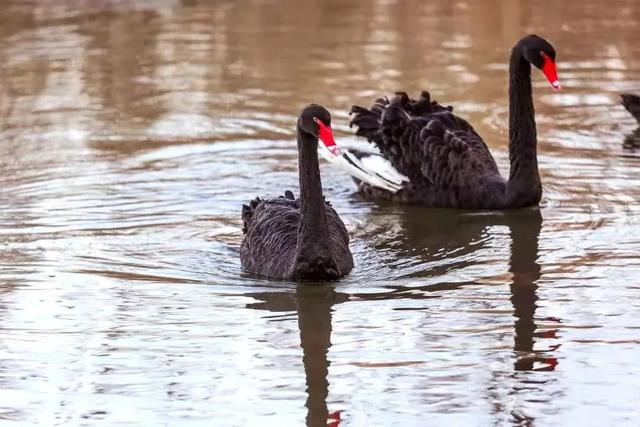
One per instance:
(439,152)
(632,104)
(271,237)
(298,239)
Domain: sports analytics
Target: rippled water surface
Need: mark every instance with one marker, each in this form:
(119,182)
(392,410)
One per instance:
(132,132)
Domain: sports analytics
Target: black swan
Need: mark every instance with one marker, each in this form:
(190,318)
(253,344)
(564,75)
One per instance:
(632,104)
(298,239)
(432,157)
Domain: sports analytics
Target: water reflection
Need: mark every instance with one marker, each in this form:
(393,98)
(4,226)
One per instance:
(511,393)
(314,320)
(525,272)
(313,305)
(433,242)
(632,140)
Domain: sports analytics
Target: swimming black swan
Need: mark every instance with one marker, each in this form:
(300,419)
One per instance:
(632,104)
(298,239)
(430,156)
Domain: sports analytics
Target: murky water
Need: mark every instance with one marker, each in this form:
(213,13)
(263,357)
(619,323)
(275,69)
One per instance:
(132,134)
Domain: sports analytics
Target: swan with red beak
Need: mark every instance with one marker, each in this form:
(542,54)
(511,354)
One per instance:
(428,155)
(300,239)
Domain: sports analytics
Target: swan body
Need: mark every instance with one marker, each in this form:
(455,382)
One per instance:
(298,239)
(438,159)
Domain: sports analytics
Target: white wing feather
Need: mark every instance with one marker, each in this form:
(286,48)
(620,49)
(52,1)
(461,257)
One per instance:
(372,169)
(384,168)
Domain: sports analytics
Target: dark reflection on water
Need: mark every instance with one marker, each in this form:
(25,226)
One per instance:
(314,321)
(632,140)
(313,305)
(525,271)
(132,132)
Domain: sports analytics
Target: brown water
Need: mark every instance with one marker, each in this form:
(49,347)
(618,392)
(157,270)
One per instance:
(131,135)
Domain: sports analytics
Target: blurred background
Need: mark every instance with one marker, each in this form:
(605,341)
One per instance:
(132,132)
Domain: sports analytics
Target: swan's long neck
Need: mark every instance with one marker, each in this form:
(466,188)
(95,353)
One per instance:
(313,236)
(524,187)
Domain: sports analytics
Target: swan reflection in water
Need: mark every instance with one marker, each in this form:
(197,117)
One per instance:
(314,303)
(437,241)
(632,140)
(525,273)
(631,103)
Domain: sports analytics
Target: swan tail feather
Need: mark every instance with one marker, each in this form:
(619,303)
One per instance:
(247,213)
(368,121)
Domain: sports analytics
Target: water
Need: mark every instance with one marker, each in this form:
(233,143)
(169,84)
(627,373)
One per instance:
(132,134)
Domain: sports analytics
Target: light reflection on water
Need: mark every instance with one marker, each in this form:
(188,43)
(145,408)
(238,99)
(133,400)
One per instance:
(132,134)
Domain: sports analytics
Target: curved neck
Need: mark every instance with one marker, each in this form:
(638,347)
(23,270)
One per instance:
(524,186)
(313,232)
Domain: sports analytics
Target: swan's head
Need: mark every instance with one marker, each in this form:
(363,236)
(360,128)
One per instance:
(541,55)
(316,120)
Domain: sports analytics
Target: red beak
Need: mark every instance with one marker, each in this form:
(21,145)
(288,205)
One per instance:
(325,134)
(549,69)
